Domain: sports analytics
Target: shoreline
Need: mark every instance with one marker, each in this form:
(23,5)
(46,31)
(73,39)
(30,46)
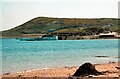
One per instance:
(66,39)
(66,71)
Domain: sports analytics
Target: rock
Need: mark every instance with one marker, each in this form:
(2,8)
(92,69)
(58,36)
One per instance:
(86,69)
(102,56)
(117,67)
(20,75)
(7,73)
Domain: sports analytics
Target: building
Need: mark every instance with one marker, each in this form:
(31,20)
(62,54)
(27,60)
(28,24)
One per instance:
(108,35)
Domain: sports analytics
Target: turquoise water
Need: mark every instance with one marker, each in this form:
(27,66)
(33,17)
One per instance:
(24,55)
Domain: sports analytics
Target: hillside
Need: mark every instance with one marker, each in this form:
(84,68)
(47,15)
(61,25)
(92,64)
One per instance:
(44,25)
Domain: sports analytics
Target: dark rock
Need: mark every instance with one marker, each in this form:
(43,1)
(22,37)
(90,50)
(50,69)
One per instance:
(7,73)
(117,67)
(102,56)
(86,69)
(20,75)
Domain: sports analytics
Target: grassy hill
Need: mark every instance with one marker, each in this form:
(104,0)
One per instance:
(43,25)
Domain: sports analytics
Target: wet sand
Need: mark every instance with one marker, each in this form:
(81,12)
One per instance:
(111,70)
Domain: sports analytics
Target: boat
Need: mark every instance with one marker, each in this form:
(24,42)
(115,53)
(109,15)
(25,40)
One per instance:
(40,38)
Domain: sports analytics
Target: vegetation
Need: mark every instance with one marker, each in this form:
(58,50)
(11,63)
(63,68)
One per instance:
(45,25)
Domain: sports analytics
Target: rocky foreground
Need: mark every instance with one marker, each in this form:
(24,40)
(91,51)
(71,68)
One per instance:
(109,70)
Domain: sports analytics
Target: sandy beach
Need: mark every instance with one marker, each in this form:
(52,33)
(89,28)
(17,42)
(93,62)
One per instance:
(111,70)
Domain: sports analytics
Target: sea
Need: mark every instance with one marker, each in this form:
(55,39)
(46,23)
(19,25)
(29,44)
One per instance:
(19,55)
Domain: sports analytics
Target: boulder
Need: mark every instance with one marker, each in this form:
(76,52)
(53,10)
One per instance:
(86,69)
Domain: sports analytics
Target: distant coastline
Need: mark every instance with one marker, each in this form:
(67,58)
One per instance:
(65,28)
(68,37)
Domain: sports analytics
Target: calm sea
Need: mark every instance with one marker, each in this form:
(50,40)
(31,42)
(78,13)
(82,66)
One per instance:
(24,55)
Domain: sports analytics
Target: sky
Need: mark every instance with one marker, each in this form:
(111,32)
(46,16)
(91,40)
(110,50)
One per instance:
(17,12)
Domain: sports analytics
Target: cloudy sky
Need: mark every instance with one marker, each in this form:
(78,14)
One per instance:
(16,12)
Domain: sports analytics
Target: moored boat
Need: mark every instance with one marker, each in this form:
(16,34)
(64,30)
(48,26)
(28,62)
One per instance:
(40,38)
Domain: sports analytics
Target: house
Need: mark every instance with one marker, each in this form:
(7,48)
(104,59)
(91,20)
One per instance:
(108,35)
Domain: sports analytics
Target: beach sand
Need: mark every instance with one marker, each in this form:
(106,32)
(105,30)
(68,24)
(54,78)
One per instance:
(109,68)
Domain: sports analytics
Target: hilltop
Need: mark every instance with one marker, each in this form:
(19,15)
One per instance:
(47,25)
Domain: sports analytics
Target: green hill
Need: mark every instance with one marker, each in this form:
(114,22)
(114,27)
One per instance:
(44,25)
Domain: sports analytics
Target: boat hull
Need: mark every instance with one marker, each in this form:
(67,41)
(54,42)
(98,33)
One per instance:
(39,39)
